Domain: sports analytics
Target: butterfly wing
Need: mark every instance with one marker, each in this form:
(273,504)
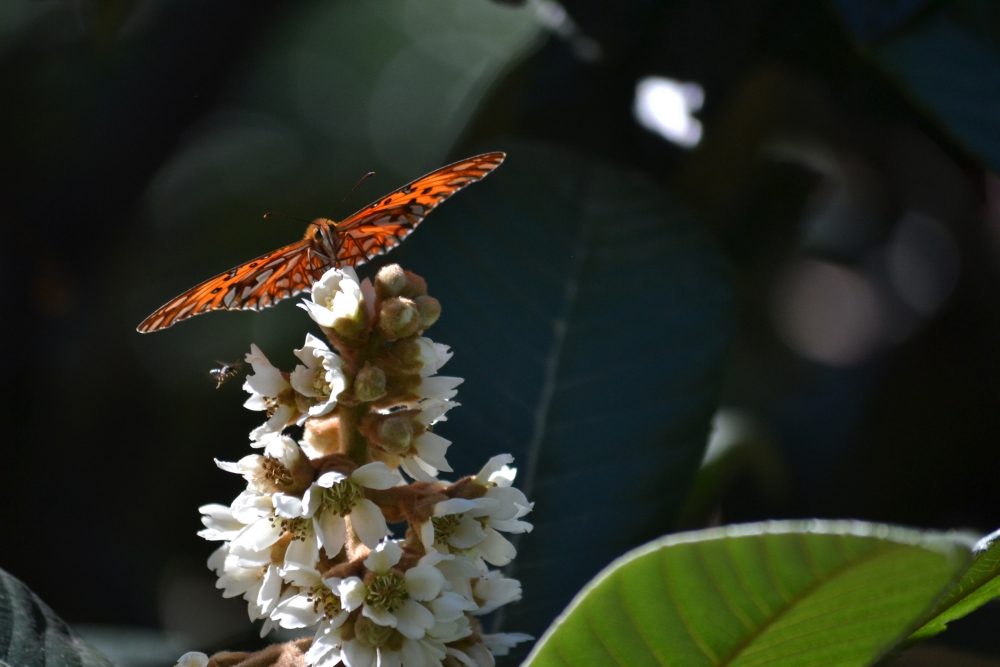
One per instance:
(257,284)
(382,225)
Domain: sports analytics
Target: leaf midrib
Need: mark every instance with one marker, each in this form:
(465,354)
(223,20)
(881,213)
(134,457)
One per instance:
(799,597)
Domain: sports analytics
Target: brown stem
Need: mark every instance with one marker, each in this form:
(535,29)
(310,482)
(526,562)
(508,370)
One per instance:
(352,443)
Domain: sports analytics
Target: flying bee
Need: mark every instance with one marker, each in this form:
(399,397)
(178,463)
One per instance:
(225,372)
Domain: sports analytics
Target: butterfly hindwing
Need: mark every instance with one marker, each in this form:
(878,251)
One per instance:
(256,284)
(383,224)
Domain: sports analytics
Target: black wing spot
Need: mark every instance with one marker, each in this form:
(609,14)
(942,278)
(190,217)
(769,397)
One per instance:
(230,275)
(427,191)
(386,202)
(216,290)
(253,265)
(408,189)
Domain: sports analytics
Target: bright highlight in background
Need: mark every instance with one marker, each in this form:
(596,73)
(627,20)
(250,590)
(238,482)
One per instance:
(665,107)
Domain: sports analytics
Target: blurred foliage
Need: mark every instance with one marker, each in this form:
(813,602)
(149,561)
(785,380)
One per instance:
(846,160)
(33,636)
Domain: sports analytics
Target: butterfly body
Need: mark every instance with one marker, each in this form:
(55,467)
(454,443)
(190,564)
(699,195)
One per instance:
(292,269)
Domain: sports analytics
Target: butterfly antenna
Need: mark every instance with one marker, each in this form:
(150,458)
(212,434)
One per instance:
(360,181)
(275,214)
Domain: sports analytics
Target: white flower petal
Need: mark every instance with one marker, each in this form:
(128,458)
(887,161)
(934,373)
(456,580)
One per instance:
(270,591)
(454,506)
(328,479)
(376,475)
(192,659)
(257,536)
(379,616)
(302,553)
(369,523)
(431,447)
(387,658)
(450,606)
(323,647)
(266,380)
(352,592)
(383,557)
(495,549)
(416,471)
(495,464)
(438,386)
(423,582)
(287,506)
(354,654)
(467,534)
(413,619)
(426,535)
(501,643)
(331,530)
(302,379)
(296,612)
(320,315)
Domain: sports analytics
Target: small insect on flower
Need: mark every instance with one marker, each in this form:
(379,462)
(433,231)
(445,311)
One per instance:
(287,271)
(225,372)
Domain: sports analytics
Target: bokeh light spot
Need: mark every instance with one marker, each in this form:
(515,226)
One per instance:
(665,106)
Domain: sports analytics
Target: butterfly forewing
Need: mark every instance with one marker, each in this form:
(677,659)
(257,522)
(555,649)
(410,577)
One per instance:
(374,230)
(259,283)
(383,224)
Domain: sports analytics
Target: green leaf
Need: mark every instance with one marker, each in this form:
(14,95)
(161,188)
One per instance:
(979,584)
(31,635)
(590,316)
(776,594)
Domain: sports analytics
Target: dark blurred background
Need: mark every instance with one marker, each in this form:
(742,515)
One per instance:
(841,155)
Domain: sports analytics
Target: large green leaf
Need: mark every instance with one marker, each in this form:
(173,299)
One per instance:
(589,315)
(31,635)
(776,594)
(979,584)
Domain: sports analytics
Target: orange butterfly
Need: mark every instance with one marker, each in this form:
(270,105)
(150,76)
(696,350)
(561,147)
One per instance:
(374,230)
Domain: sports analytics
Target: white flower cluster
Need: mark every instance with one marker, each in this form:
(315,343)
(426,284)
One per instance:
(307,544)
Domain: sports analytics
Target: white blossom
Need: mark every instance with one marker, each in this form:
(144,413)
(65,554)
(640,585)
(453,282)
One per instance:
(432,356)
(393,599)
(426,457)
(335,496)
(281,455)
(337,294)
(502,642)
(265,385)
(321,378)
(192,659)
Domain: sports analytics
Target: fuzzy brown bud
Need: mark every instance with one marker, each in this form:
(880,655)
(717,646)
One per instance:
(399,318)
(429,308)
(323,433)
(369,384)
(390,281)
(369,633)
(396,434)
(415,286)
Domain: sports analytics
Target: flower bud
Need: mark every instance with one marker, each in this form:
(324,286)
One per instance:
(399,318)
(369,384)
(396,433)
(369,633)
(390,281)
(429,308)
(322,434)
(415,286)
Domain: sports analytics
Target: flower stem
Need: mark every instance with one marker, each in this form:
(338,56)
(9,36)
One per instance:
(352,443)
